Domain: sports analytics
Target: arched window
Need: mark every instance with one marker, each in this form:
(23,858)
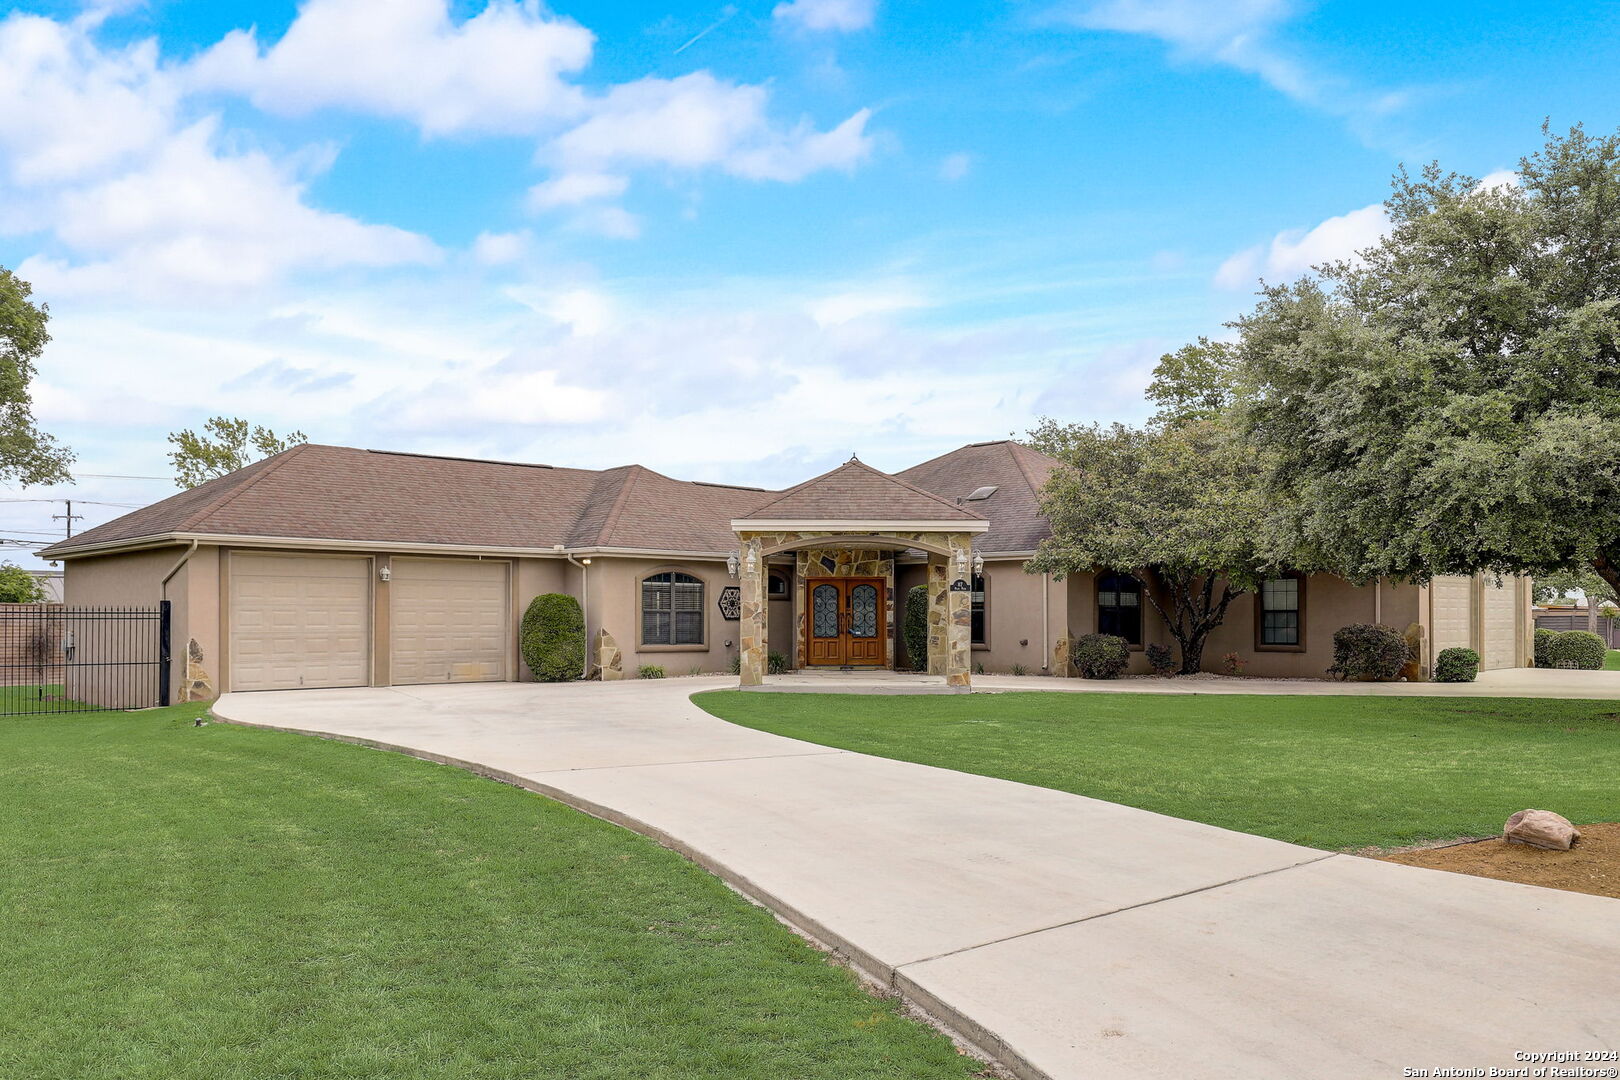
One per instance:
(671,609)
(1119,607)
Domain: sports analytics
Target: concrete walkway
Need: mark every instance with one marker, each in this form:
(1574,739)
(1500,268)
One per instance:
(1067,937)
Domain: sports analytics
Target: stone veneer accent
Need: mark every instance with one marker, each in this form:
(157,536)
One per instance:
(950,615)
(607,657)
(197,685)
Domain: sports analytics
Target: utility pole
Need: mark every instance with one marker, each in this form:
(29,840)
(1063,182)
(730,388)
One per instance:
(70,517)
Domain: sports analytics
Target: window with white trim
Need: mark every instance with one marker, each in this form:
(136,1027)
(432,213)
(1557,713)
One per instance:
(671,609)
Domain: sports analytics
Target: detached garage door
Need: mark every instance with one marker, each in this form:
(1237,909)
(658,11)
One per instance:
(449,621)
(1453,612)
(1503,627)
(299,621)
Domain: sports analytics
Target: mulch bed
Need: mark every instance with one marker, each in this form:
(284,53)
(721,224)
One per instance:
(1591,866)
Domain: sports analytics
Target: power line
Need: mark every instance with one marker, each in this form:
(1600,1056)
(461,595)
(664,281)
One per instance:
(118,476)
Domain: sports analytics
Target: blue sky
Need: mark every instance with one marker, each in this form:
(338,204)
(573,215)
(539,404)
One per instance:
(732,242)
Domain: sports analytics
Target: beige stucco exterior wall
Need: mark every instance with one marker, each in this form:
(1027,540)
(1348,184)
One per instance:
(1331,603)
(615,602)
(782,616)
(135,579)
(1013,612)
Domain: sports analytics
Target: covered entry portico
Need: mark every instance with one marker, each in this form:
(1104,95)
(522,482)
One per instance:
(843,534)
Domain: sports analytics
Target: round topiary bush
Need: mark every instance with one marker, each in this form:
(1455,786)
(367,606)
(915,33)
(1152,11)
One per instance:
(1369,652)
(1100,656)
(1456,665)
(553,638)
(915,630)
(1580,650)
(1544,640)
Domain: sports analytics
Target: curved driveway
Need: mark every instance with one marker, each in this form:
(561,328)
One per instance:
(1065,936)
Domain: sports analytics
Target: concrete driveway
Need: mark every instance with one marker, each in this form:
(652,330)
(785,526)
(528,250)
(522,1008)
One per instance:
(1065,936)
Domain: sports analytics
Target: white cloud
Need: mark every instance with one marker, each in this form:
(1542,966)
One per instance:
(68,109)
(843,307)
(497,249)
(1499,178)
(840,15)
(571,189)
(192,218)
(500,71)
(955,166)
(696,121)
(1294,251)
(130,200)
(1232,32)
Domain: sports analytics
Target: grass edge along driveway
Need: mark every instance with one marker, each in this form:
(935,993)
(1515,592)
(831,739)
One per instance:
(202,903)
(1338,773)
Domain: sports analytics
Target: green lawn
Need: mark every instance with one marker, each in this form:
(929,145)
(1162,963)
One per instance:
(208,903)
(1611,660)
(1332,772)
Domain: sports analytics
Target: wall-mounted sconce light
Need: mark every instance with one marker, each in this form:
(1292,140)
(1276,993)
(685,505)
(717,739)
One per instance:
(978,563)
(750,562)
(961,561)
(384,574)
(731,564)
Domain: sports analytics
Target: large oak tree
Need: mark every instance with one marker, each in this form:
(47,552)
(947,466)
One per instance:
(1450,401)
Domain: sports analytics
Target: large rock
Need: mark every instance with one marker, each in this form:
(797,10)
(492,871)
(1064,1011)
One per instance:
(1542,829)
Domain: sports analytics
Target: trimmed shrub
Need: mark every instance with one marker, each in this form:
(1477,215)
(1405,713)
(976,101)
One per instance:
(650,671)
(1578,650)
(1100,656)
(1456,665)
(1161,659)
(915,629)
(1544,640)
(552,638)
(1369,652)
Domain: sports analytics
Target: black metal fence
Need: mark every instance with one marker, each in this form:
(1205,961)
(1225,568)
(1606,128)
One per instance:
(55,658)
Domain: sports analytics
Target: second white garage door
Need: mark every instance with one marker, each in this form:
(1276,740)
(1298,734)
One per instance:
(299,621)
(1503,626)
(449,621)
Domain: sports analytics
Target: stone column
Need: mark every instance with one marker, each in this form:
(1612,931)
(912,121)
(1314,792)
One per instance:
(754,646)
(959,607)
(939,582)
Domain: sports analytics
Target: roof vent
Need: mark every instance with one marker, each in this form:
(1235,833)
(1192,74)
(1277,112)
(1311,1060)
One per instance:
(981,494)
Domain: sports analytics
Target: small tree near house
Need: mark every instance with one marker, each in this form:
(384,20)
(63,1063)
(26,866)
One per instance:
(1177,502)
(18,586)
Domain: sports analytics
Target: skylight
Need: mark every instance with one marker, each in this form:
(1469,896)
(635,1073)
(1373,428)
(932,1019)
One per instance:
(980,494)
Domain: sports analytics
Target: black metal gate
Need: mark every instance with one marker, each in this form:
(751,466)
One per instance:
(55,658)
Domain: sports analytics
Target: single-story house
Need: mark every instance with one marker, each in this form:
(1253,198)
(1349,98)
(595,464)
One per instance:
(329,566)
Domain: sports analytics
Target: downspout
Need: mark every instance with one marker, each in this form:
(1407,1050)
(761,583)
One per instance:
(584,606)
(1046,600)
(163,586)
(1378,600)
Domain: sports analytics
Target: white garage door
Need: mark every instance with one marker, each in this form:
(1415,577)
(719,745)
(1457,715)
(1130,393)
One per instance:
(449,621)
(1502,628)
(1453,612)
(299,621)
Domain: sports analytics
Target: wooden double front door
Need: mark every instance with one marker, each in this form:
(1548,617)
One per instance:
(846,623)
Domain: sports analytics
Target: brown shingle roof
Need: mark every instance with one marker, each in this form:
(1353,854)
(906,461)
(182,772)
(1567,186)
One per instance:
(317,492)
(855,491)
(1017,472)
